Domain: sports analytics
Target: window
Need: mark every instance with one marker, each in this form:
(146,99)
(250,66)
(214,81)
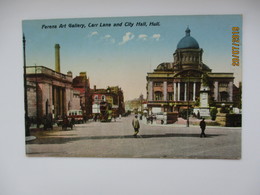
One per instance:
(224,96)
(224,85)
(170,96)
(158,84)
(158,95)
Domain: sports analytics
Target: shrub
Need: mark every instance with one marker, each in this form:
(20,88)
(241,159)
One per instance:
(213,113)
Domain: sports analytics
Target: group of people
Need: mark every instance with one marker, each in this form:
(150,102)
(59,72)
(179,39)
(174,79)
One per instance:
(136,126)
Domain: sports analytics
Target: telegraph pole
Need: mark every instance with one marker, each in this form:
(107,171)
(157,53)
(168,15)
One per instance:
(27,130)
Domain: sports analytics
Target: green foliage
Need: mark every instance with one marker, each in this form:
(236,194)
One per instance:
(212,102)
(213,113)
(183,113)
(224,110)
(197,101)
(205,80)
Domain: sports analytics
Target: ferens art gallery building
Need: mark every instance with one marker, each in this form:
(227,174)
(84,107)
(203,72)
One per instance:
(50,91)
(175,85)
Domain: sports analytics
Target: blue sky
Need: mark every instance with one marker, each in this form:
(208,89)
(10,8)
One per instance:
(123,55)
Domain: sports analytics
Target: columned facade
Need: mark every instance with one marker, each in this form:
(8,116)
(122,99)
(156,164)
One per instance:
(54,92)
(177,84)
(179,89)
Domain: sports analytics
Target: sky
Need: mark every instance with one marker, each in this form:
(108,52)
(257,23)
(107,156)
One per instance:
(122,55)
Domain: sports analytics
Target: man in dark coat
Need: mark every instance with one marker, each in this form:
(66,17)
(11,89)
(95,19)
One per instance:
(203,127)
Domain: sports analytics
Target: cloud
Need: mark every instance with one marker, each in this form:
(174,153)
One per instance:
(127,37)
(109,38)
(156,37)
(93,34)
(143,37)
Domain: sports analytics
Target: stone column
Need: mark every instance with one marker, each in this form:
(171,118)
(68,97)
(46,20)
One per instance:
(194,91)
(185,92)
(179,87)
(50,98)
(174,91)
(55,100)
(61,101)
(216,90)
(150,91)
(230,91)
(165,90)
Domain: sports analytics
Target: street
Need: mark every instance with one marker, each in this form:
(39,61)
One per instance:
(115,139)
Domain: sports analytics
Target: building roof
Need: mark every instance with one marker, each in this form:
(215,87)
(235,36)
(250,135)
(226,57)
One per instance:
(80,81)
(188,42)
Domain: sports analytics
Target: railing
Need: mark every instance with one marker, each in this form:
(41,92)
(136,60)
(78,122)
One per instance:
(47,71)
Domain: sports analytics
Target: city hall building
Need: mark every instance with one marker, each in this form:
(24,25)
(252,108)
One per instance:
(177,85)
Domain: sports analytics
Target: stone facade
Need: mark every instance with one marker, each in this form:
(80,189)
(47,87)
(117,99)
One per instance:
(82,85)
(53,92)
(31,97)
(176,85)
(113,95)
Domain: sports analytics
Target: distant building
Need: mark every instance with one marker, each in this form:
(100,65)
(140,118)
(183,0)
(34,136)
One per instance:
(136,105)
(82,85)
(75,101)
(112,95)
(173,86)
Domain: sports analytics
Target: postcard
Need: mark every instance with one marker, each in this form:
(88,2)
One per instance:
(134,87)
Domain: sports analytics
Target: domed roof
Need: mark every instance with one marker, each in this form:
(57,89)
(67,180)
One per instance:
(188,42)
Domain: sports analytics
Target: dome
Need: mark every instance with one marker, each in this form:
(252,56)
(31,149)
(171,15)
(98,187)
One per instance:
(188,42)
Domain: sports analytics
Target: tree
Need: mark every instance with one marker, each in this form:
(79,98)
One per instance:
(213,113)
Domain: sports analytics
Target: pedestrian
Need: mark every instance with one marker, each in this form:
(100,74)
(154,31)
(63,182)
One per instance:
(151,119)
(65,122)
(147,119)
(203,127)
(114,117)
(136,125)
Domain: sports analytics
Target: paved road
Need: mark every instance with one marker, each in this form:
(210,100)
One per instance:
(115,139)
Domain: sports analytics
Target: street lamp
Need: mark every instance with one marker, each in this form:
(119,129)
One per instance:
(27,130)
(188,90)
(37,98)
(171,108)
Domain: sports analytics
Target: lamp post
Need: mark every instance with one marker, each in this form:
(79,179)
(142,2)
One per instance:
(188,90)
(85,115)
(37,98)
(27,130)
(171,108)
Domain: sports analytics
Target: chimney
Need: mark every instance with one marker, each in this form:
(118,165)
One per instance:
(95,87)
(69,73)
(83,74)
(57,57)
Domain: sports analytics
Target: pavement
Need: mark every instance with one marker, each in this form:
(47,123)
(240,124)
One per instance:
(115,139)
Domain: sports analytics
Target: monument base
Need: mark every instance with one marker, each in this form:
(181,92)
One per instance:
(204,112)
